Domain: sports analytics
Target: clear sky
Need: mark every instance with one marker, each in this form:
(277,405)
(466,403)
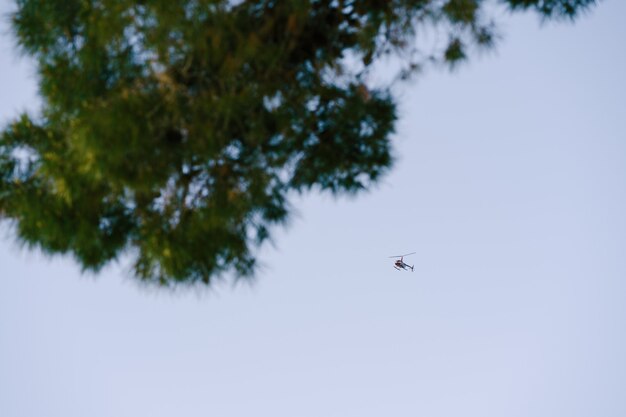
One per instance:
(511,187)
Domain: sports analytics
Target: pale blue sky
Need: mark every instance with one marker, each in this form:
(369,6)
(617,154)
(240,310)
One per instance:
(510,186)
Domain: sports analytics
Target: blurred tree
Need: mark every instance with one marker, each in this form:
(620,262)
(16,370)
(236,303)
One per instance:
(174,130)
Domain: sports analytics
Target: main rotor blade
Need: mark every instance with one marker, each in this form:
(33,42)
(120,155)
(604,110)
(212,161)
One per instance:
(400,256)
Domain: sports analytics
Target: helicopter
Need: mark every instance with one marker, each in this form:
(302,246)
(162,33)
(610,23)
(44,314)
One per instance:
(400,264)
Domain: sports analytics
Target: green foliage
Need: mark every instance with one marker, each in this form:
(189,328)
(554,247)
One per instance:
(174,130)
(553,8)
